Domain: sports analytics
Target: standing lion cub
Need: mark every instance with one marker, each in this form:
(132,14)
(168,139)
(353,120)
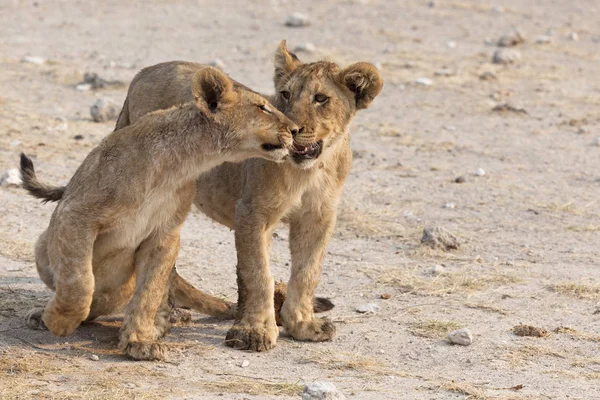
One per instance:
(114,235)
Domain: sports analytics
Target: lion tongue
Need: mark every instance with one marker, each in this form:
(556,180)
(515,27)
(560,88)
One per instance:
(301,149)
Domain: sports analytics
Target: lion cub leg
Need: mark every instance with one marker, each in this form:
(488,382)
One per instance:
(310,229)
(70,244)
(153,263)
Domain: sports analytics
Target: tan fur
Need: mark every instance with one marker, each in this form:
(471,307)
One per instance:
(114,236)
(253,196)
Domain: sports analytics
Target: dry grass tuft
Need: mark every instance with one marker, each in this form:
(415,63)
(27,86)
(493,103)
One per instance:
(433,329)
(528,330)
(350,362)
(15,249)
(360,223)
(463,388)
(577,334)
(487,307)
(577,290)
(527,353)
(584,228)
(255,387)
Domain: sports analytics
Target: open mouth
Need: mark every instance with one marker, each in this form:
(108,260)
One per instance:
(271,147)
(309,152)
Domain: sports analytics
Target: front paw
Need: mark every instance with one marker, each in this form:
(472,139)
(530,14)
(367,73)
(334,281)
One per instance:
(252,337)
(148,351)
(61,324)
(316,330)
(34,320)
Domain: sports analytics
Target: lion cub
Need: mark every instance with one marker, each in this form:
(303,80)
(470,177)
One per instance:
(117,227)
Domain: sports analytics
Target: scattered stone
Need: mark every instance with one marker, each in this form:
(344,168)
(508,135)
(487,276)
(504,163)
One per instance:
(511,39)
(14,143)
(78,137)
(94,357)
(439,238)
(245,364)
(104,110)
(369,308)
(321,390)
(385,296)
(573,36)
(449,205)
(297,20)
(543,39)
(217,63)
(460,179)
(480,172)
(450,128)
(431,4)
(13,269)
(498,9)
(451,44)
(305,48)
(92,80)
(488,76)
(507,107)
(506,56)
(12,177)
(424,81)
(462,337)
(445,72)
(438,269)
(528,330)
(34,60)
(597,141)
(581,130)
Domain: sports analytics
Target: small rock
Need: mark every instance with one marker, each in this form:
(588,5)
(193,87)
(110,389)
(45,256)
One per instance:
(498,9)
(381,351)
(506,56)
(94,357)
(84,87)
(597,141)
(297,20)
(573,36)
(507,107)
(438,270)
(511,39)
(528,330)
(543,39)
(445,72)
(385,296)
(431,4)
(460,179)
(321,390)
(104,110)
(217,63)
(450,128)
(34,60)
(424,81)
(14,143)
(449,205)
(438,237)
(369,308)
(480,172)
(12,269)
(488,76)
(92,80)
(245,363)
(78,137)
(451,44)
(461,336)
(305,48)
(12,177)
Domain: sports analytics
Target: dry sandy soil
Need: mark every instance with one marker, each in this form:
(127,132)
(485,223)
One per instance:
(529,228)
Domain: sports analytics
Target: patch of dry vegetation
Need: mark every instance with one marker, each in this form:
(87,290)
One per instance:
(254,387)
(470,391)
(487,307)
(352,221)
(520,355)
(15,249)
(433,329)
(577,334)
(577,290)
(336,361)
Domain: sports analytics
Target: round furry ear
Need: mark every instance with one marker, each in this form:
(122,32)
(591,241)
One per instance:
(285,63)
(211,88)
(364,80)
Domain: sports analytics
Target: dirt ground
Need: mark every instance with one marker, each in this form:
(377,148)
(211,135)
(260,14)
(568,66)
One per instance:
(529,228)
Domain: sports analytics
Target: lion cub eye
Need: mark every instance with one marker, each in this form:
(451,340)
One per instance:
(266,109)
(321,98)
(285,94)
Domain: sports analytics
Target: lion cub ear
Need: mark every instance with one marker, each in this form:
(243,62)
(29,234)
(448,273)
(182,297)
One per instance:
(285,63)
(364,80)
(212,89)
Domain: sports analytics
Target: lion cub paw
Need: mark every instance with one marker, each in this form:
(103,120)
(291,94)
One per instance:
(249,337)
(317,330)
(34,320)
(148,351)
(60,325)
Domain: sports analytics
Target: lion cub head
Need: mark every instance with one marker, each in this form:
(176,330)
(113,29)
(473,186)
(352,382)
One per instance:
(322,99)
(254,127)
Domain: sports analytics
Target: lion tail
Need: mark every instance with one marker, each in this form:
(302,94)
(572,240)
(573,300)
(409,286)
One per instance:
(34,186)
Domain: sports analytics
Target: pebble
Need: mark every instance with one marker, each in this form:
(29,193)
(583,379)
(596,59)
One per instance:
(460,179)
(424,81)
(451,44)
(305,48)
(480,172)
(488,76)
(369,308)
(297,20)
(462,337)
(438,237)
(12,269)
(217,63)
(506,56)
(573,36)
(450,128)
(104,110)
(321,390)
(12,177)
(34,60)
(92,80)
(245,363)
(385,296)
(437,269)
(597,141)
(449,205)
(94,357)
(543,39)
(445,72)
(511,39)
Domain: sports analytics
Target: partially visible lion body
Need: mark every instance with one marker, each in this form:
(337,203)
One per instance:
(253,196)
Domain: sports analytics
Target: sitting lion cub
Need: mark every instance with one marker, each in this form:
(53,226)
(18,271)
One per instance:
(117,227)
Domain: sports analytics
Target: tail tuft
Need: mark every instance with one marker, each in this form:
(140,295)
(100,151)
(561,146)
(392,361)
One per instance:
(36,188)
(321,304)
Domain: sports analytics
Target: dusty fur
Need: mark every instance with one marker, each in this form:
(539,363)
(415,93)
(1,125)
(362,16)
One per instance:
(114,236)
